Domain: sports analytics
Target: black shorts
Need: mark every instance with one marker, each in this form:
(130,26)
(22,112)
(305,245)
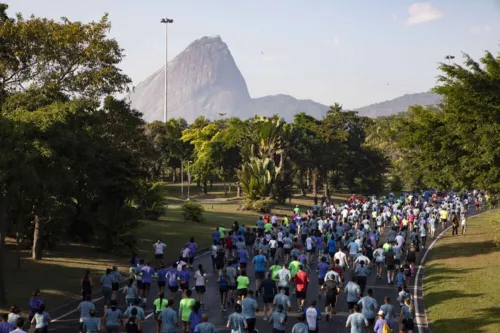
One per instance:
(332,254)
(371,322)
(251,324)
(331,299)
(321,281)
(259,275)
(268,299)
(173,289)
(409,325)
(287,251)
(219,266)
(350,305)
(115,286)
(231,287)
(397,261)
(184,286)
(146,285)
(410,260)
(243,292)
(301,294)
(159,256)
(161,284)
(390,267)
(223,289)
(200,289)
(280,244)
(139,284)
(243,265)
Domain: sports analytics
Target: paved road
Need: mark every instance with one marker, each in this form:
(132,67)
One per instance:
(212,303)
(68,321)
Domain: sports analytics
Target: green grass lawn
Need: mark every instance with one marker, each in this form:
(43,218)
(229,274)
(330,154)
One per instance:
(461,289)
(69,262)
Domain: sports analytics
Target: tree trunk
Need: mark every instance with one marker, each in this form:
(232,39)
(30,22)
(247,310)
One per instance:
(211,184)
(3,229)
(173,175)
(327,192)
(37,240)
(18,242)
(308,179)
(225,189)
(205,187)
(301,183)
(238,191)
(315,183)
(229,185)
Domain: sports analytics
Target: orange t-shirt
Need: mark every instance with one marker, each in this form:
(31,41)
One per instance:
(301,280)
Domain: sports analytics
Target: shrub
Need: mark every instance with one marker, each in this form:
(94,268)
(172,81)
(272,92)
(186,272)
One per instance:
(262,205)
(193,211)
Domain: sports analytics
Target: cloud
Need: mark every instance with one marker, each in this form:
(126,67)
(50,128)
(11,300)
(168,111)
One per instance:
(481,29)
(335,42)
(421,12)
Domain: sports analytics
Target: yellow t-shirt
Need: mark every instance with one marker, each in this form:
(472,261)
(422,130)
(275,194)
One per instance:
(186,304)
(443,214)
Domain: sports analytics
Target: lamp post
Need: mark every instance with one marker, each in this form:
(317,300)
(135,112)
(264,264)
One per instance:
(189,179)
(166,21)
(449,58)
(182,179)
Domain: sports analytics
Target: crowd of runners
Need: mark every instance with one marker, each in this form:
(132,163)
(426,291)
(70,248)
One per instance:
(381,236)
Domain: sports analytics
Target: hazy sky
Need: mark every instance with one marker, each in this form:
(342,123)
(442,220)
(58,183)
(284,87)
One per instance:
(356,52)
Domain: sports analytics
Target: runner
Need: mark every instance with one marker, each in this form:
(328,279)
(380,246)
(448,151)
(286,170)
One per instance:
(260,263)
(313,315)
(195,316)
(159,305)
(369,307)
(168,318)
(134,324)
(112,318)
(84,308)
(242,285)
(356,321)
(185,308)
(161,275)
(172,277)
(301,326)
(301,282)
(159,247)
(91,324)
(237,321)
(200,281)
(332,291)
(249,308)
(223,282)
(205,326)
(278,320)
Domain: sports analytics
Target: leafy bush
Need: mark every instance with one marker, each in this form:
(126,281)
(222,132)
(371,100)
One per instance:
(262,205)
(116,229)
(193,211)
(153,200)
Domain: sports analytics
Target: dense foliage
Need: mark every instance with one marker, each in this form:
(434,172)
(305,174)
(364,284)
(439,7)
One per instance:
(455,145)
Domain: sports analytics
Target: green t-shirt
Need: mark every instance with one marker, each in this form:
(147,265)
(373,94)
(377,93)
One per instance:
(387,247)
(294,268)
(160,306)
(222,232)
(186,304)
(268,227)
(274,269)
(296,210)
(242,282)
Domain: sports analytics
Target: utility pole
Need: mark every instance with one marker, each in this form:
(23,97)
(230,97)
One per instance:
(166,21)
(182,179)
(189,178)
(449,57)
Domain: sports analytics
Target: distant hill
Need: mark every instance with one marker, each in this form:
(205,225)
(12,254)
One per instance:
(398,104)
(204,80)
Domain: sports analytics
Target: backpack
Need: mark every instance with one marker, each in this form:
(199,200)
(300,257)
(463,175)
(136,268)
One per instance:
(386,328)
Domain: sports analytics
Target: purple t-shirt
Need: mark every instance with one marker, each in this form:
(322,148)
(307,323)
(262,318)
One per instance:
(147,274)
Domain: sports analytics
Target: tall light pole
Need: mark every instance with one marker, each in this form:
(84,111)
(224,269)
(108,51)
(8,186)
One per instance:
(182,179)
(166,21)
(449,57)
(189,179)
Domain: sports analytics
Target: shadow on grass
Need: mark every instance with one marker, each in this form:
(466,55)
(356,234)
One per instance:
(436,273)
(478,322)
(463,250)
(434,298)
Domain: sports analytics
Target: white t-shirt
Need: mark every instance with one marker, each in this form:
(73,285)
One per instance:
(185,252)
(159,247)
(311,316)
(273,243)
(200,279)
(341,257)
(309,243)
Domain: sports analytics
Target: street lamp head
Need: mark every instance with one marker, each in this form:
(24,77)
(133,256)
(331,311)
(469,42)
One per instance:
(166,20)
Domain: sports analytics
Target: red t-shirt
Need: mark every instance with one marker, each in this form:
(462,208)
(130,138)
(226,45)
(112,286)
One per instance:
(301,280)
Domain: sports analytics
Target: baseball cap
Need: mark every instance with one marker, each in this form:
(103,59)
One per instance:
(381,313)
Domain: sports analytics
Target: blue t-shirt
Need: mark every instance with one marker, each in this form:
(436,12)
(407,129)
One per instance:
(323,268)
(357,322)
(260,263)
(243,253)
(205,328)
(332,246)
(277,317)
(400,279)
(91,325)
(168,317)
(147,274)
(184,276)
(107,281)
(172,276)
(249,305)
(161,274)
(113,317)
